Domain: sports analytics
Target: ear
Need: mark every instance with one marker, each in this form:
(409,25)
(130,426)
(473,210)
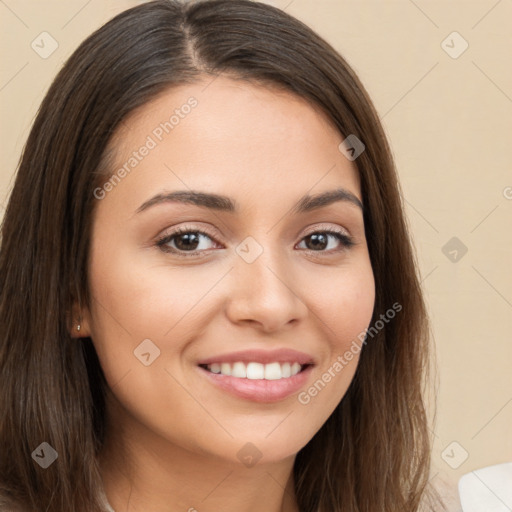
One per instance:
(79,317)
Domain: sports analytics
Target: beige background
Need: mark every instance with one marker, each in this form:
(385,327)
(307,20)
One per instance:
(449,121)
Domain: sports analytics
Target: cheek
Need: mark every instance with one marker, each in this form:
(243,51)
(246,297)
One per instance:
(143,317)
(353,310)
(352,313)
(343,305)
(132,292)
(135,299)
(343,301)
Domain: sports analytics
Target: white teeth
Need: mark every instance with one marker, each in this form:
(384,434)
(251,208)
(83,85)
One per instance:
(215,368)
(225,369)
(239,371)
(271,371)
(255,371)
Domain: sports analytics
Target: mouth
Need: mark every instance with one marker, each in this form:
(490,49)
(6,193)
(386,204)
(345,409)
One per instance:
(256,371)
(257,382)
(258,375)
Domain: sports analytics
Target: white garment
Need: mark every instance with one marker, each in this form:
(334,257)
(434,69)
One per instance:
(103,497)
(487,489)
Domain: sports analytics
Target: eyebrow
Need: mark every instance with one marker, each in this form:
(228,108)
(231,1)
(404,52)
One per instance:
(225,204)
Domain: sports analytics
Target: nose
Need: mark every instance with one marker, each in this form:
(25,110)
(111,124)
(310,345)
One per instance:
(265,294)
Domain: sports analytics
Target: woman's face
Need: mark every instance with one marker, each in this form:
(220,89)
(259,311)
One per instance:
(257,271)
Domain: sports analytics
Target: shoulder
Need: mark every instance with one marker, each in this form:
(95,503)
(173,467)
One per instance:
(480,490)
(103,499)
(487,488)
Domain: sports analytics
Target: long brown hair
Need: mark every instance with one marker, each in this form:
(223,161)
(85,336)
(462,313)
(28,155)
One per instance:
(373,452)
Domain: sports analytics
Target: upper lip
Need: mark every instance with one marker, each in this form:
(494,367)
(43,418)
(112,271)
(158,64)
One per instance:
(282,355)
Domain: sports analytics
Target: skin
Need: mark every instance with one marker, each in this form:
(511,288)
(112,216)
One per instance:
(172,436)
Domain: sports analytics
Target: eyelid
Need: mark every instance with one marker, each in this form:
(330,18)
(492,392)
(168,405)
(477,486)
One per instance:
(327,227)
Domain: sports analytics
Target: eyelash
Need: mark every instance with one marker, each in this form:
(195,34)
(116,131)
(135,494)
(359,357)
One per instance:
(346,241)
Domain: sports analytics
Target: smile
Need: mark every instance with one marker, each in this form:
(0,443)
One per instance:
(255,371)
(252,382)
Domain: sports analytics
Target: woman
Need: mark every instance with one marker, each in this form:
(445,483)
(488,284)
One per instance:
(276,366)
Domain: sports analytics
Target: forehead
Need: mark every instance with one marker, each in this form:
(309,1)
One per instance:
(233,137)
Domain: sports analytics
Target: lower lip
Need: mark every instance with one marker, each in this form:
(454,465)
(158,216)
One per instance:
(259,390)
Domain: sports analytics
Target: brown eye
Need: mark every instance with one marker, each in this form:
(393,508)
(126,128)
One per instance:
(319,241)
(187,241)
(184,240)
